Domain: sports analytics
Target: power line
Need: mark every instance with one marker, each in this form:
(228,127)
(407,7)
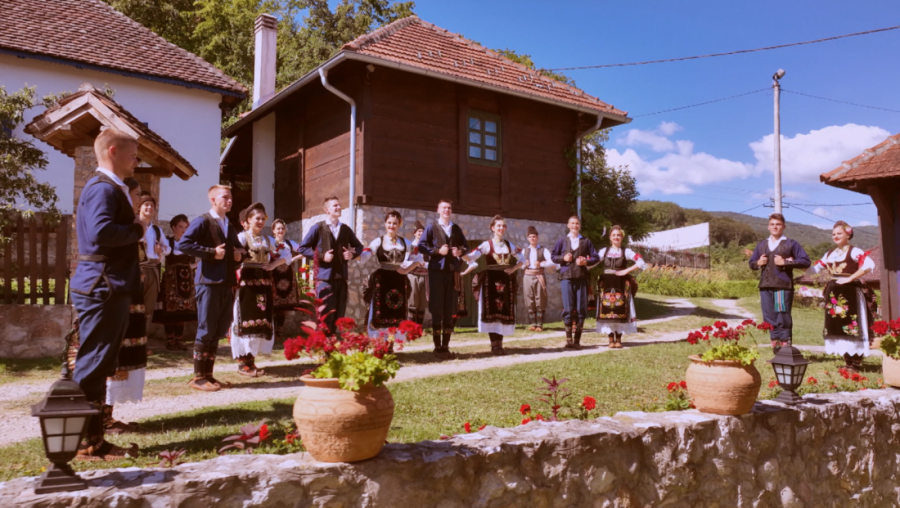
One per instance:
(795,207)
(836,204)
(840,102)
(703,103)
(754,208)
(867,32)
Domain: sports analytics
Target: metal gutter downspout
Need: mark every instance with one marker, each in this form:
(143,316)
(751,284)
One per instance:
(578,168)
(323,73)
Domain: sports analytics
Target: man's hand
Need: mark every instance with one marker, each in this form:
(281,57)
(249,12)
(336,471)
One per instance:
(779,261)
(444,250)
(158,249)
(568,258)
(581,261)
(763,260)
(220,251)
(328,256)
(456,252)
(348,254)
(238,255)
(511,270)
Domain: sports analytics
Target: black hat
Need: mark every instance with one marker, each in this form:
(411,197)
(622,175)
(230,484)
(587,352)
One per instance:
(418,225)
(531,231)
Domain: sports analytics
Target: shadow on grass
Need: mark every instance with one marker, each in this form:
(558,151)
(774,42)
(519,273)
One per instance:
(214,416)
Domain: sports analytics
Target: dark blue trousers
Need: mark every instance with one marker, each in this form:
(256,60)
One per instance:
(442,299)
(102,320)
(575,298)
(781,322)
(334,296)
(215,307)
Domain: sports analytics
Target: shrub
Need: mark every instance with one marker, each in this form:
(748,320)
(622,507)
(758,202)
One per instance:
(693,283)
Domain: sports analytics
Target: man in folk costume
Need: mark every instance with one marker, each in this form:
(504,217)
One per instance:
(212,239)
(573,253)
(445,242)
(331,244)
(107,276)
(776,258)
(537,259)
(418,279)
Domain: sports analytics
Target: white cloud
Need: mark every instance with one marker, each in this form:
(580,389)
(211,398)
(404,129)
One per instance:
(657,143)
(821,212)
(668,128)
(864,223)
(806,156)
(822,225)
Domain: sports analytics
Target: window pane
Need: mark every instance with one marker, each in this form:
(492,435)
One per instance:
(490,126)
(74,424)
(474,123)
(490,155)
(475,152)
(54,426)
(70,444)
(54,444)
(474,137)
(490,140)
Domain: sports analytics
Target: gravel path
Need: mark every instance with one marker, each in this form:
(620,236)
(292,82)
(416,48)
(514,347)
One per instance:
(21,426)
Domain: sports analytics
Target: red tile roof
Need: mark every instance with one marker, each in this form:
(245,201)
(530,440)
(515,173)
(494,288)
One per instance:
(93,33)
(414,42)
(880,161)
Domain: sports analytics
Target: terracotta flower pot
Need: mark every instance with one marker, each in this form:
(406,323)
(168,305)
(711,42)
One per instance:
(891,370)
(339,425)
(876,343)
(722,387)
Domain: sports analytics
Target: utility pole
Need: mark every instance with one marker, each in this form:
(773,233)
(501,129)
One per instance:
(776,88)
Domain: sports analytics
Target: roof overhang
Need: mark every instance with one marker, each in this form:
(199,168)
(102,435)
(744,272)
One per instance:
(609,119)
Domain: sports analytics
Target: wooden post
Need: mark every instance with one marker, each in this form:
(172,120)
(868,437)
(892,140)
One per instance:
(7,266)
(32,260)
(45,268)
(885,200)
(20,258)
(62,260)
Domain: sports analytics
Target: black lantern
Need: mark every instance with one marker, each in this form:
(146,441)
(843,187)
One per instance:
(64,415)
(790,366)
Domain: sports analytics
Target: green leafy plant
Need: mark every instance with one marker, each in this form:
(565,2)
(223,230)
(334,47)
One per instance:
(723,341)
(678,398)
(357,369)
(888,331)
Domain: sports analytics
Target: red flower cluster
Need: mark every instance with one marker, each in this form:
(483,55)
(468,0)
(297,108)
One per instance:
(734,334)
(720,324)
(589,403)
(345,324)
(748,322)
(467,427)
(773,383)
(681,385)
(263,432)
(881,327)
(290,438)
(764,326)
(695,337)
(811,380)
(525,409)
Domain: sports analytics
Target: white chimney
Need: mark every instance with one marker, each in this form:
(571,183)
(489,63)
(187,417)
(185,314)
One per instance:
(265,53)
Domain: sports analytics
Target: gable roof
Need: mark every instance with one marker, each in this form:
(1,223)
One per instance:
(91,34)
(78,118)
(413,45)
(880,161)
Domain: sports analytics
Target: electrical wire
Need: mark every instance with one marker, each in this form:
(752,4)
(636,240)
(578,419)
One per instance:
(840,102)
(702,103)
(754,208)
(867,32)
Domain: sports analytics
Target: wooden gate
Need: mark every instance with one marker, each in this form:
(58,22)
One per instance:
(34,266)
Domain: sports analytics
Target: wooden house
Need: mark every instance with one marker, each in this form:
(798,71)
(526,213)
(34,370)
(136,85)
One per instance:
(434,116)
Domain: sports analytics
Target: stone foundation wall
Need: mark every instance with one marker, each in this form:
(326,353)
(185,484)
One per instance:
(843,450)
(370,224)
(34,331)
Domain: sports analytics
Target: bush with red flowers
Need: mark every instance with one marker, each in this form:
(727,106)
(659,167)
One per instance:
(723,341)
(351,356)
(678,398)
(890,337)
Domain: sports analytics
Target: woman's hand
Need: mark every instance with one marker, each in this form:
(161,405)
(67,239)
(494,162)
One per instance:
(622,273)
(844,280)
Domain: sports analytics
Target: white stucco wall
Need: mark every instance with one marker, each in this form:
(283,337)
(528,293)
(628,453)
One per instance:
(189,119)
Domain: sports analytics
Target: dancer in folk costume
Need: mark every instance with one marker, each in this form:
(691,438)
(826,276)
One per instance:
(418,280)
(156,249)
(212,239)
(177,303)
(253,325)
(286,292)
(496,288)
(849,303)
(537,261)
(107,277)
(776,258)
(616,289)
(445,243)
(573,253)
(331,245)
(388,289)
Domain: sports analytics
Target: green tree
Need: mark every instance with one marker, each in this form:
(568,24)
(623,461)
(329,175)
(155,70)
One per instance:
(662,215)
(20,191)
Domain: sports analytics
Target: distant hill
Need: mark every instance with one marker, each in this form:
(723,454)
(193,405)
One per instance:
(864,237)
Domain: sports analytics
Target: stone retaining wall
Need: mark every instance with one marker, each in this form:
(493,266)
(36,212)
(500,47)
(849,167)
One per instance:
(842,450)
(34,331)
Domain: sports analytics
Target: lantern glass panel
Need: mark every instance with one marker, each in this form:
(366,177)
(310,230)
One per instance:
(75,424)
(71,443)
(54,426)
(54,444)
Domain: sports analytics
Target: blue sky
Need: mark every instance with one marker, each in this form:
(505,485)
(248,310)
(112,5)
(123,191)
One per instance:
(716,157)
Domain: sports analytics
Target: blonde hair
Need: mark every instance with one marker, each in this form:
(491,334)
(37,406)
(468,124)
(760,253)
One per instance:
(110,137)
(216,187)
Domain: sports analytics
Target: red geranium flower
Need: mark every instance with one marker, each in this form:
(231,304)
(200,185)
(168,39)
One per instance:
(589,403)
(468,427)
(526,420)
(880,327)
(290,438)
(263,432)
(672,387)
(748,322)
(764,326)
(525,409)
(773,383)
(540,417)
(706,329)
(683,384)
(345,324)
(813,381)
(483,426)
(844,373)
(720,324)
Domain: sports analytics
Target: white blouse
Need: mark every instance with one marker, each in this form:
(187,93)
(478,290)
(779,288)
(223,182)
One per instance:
(838,255)
(615,252)
(532,259)
(253,244)
(399,244)
(286,252)
(485,248)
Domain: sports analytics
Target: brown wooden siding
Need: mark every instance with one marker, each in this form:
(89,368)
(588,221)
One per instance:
(289,156)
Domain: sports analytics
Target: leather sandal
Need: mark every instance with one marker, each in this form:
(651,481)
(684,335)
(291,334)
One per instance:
(220,384)
(117,427)
(203,384)
(105,451)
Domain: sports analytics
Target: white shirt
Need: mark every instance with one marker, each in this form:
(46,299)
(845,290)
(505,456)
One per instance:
(150,239)
(118,181)
(448,229)
(773,243)
(286,252)
(532,258)
(575,240)
(335,228)
(221,221)
(838,255)
(400,244)
(615,252)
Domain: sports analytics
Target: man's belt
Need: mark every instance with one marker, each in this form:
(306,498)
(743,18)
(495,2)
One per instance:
(93,258)
(534,271)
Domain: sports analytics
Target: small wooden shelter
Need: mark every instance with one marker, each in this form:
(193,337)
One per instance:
(876,172)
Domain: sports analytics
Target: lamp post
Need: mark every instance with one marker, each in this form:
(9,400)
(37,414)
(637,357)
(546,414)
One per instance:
(64,414)
(776,89)
(789,366)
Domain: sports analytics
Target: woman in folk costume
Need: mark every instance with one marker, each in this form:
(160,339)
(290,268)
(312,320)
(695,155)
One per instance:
(418,280)
(616,288)
(253,327)
(537,260)
(177,303)
(388,288)
(849,303)
(127,385)
(496,288)
(284,279)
